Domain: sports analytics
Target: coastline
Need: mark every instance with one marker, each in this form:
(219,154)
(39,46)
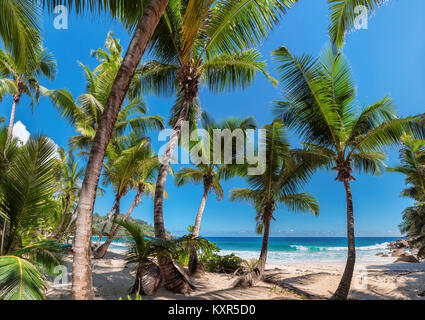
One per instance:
(387,280)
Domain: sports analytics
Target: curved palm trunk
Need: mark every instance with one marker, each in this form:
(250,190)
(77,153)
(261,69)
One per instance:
(249,279)
(71,220)
(108,219)
(173,279)
(195,266)
(16,99)
(163,172)
(101,251)
(265,243)
(82,288)
(68,201)
(344,286)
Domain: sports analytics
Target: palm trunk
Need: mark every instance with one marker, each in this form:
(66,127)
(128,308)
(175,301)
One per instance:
(344,286)
(163,172)
(265,244)
(71,220)
(55,234)
(82,288)
(195,266)
(173,279)
(101,251)
(108,218)
(16,99)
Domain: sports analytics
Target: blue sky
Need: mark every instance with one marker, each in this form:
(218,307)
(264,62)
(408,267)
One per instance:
(387,58)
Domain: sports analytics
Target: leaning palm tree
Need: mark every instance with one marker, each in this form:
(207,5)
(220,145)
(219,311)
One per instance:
(320,104)
(210,173)
(143,17)
(27,190)
(286,172)
(25,79)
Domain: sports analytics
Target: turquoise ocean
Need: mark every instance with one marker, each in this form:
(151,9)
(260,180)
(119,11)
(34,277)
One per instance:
(299,250)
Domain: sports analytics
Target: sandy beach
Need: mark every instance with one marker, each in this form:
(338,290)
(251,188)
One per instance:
(112,279)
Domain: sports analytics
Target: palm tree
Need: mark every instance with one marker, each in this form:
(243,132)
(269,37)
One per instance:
(286,171)
(143,17)
(130,162)
(142,252)
(210,174)
(86,111)
(203,42)
(25,80)
(20,28)
(69,183)
(27,189)
(320,104)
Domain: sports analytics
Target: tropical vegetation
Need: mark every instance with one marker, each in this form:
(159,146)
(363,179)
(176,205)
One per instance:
(47,193)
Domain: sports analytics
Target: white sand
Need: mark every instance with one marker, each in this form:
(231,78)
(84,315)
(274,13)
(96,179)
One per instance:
(112,279)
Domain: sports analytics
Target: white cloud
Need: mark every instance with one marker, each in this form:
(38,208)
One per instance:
(20,131)
(22,134)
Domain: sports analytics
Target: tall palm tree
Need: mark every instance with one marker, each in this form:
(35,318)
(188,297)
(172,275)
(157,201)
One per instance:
(130,161)
(69,182)
(25,79)
(203,42)
(20,28)
(143,17)
(320,104)
(286,172)
(209,173)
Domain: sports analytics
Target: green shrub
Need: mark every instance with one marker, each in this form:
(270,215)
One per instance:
(227,264)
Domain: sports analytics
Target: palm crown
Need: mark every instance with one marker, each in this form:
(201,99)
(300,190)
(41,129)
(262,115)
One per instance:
(320,103)
(286,172)
(85,112)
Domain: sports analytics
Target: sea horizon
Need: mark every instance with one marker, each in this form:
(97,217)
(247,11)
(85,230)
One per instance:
(300,250)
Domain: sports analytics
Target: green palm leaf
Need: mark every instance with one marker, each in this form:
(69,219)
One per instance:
(20,280)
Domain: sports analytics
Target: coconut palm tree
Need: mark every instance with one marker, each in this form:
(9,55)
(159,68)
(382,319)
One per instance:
(20,28)
(209,173)
(69,183)
(320,104)
(286,172)
(25,79)
(131,162)
(27,188)
(142,17)
(86,111)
